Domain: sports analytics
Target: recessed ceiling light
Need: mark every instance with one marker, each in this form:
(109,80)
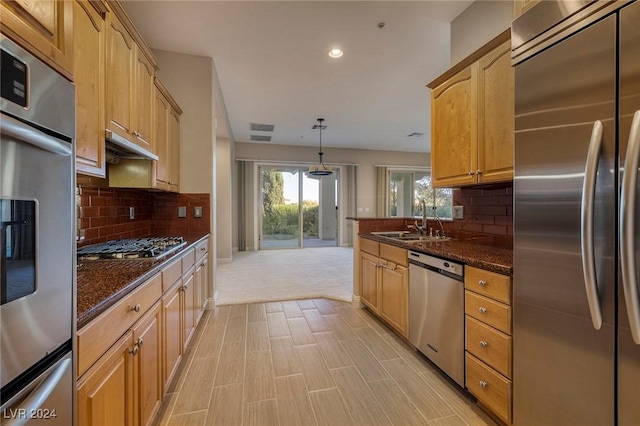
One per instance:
(336,53)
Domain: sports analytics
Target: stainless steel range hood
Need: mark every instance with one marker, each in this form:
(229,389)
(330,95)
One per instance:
(122,148)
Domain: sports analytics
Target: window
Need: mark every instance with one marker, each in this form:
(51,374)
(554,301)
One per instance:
(408,187)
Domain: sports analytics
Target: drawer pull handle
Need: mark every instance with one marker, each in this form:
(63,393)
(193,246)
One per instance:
(483,384)
(483,344)
(482,310)
(136,308)
(203,248)
(482,283)
(135,349)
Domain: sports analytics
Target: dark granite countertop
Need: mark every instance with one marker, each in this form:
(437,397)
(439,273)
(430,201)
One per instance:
(101,283)
(495,259)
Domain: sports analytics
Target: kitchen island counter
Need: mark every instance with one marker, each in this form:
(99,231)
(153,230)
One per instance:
(101,283)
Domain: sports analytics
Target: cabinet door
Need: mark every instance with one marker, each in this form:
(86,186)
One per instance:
(143,101)
(106,390)
(43,27)
(174,151)
(172,331)
(454,129)
(369,280)
(394,295)
(147,334)
(89,53)
(495,115)
(201,279)
(189,308)
(161,125)
(119,78)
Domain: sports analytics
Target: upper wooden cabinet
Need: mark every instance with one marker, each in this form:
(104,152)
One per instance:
(130,70)
(44,28)
(89,55)
(472,113)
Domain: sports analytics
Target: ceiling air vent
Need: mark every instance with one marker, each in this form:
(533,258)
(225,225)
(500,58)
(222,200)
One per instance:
(255,127)
(415,135)
(261,138)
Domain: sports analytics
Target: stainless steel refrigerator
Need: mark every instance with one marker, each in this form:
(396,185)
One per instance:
(576,315)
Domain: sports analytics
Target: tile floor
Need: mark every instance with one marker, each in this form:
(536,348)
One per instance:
(308,362)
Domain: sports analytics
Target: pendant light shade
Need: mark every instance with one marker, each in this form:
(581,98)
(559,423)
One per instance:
(320,169)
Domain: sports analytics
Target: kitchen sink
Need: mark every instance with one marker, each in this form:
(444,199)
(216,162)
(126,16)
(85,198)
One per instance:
(409,237)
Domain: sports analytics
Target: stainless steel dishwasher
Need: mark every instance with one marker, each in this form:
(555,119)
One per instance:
(436,311)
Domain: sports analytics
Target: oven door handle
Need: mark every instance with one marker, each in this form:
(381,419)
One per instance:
(39,395)
(23,132)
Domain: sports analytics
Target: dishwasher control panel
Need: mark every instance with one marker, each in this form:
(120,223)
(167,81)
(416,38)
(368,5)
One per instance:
(437,263)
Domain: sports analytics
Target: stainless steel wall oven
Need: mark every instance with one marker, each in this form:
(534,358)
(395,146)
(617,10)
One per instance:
(37,241)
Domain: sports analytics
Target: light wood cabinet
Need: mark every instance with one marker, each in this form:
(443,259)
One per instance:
(472,114)
(89,56)
(164,173)
(124,382)
(384,282)
(488,341)
(394,295)
(44,28)
(147,337)
(106,391)
(172,332)
(130,72)
(201,277)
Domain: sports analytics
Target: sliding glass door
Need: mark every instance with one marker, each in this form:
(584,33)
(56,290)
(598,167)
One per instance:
(298,210)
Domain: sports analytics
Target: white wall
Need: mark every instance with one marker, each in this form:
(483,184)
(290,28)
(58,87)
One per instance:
(190,80)
(365,159)
(478,24)
(224,205)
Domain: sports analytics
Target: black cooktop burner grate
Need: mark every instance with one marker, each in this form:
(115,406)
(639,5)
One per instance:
(132,248)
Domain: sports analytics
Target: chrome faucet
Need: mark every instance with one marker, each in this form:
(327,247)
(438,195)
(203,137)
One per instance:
(421,229)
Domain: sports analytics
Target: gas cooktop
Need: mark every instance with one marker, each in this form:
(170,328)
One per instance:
(132,248)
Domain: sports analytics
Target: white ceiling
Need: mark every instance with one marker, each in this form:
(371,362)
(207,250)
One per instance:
(273,68)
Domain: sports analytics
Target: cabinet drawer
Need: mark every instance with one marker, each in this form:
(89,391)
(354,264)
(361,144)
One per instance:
(489,345)
(489,387)
(171,274)
(202,248)
(490,284)
(394,254)
(369,246)
(101,333)
(188,260)
(496,314)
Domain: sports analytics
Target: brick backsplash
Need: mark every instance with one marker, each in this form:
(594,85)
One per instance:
(103,213)
(488,214)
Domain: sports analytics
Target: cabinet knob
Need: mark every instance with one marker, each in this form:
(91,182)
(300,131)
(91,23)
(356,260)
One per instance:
(483,384)
(203,248)
(185,287)
(136,308)
(482,283)
(483,344)
(471,173)
(478,172)
(135,350)
(482,310)
(140,341)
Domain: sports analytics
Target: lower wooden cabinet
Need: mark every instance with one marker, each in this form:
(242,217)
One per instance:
(106,390)
(384,283)
(394,294)
(123,383)
(147,338)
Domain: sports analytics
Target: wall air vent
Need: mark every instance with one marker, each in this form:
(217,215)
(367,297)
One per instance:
(255,127)
(415,135)
(261,138)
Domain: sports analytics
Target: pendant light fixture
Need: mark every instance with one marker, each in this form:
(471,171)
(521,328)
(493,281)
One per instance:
(320,169)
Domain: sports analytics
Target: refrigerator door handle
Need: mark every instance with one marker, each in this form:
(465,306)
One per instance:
(627,228)
(586,225)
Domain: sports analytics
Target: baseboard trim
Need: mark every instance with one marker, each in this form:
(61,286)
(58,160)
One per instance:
(224,260)
(356,302)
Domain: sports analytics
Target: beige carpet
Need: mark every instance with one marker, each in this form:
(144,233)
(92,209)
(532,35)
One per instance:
(270,275)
